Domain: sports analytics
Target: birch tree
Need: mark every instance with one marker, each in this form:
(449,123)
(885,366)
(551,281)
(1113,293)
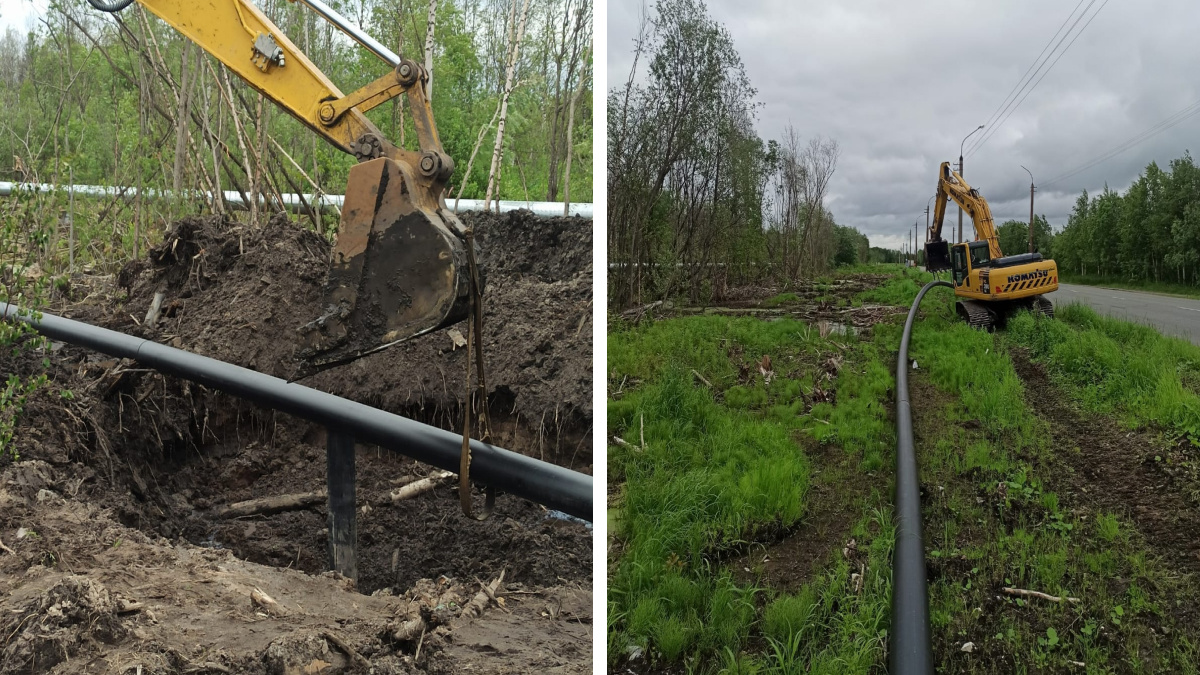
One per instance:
(513,50)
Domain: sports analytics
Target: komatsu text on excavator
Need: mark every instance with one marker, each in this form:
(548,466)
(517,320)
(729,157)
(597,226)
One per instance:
(400,266)
(990,286)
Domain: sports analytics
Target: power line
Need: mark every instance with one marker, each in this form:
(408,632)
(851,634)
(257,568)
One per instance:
(1040,65)
(987,136)
(1013,93)
(1172,120)
(1029,85)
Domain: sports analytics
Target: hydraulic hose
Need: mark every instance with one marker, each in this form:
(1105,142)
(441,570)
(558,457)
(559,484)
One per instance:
(110,7)
(910,652)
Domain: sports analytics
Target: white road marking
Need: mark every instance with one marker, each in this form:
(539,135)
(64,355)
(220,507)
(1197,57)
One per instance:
(1190,309)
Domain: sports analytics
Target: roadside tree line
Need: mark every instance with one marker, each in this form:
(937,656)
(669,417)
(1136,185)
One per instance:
(691,183)
(124,99)
(1151,233)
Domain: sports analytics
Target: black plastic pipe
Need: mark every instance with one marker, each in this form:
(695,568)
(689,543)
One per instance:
(910,652)
(550,485)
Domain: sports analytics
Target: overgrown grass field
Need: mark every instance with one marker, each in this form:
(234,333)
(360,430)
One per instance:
(706,469)
(713,462)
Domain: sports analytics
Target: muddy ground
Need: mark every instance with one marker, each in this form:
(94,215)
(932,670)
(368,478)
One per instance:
(116,558)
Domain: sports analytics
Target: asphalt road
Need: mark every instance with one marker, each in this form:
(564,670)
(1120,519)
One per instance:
(1169,314)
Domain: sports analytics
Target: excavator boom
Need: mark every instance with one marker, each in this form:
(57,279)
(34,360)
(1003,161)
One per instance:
(952,186)
(399,266)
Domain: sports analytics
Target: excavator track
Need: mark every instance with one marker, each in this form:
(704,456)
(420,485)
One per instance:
(977,315)
(1043,305)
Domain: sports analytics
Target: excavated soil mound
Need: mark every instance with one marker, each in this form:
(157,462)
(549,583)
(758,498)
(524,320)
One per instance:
(123,472)
(240,296)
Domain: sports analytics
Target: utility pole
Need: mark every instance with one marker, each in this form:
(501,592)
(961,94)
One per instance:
(1031,191)
(916,224)
(963,173)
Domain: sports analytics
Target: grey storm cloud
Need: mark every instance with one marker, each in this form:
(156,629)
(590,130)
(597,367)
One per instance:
(899,84)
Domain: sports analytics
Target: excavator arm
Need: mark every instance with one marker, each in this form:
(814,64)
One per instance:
(399,267)
(952,186)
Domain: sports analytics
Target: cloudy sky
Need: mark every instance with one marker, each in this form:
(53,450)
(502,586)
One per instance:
(899,84)
(20,14)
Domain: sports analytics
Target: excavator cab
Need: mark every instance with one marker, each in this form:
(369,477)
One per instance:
(958,266)
(980,255)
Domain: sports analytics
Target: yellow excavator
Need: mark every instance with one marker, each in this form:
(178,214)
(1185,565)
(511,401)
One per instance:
(402,264)
(989,285)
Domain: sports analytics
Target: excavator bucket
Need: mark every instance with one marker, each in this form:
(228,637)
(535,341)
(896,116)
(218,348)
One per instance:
(937,255)
(398,270)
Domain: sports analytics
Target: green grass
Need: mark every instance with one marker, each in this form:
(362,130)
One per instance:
(1118,368)
(835,624)
(708,481)
(993,519)
(722,467)
(899,290)
(781,299)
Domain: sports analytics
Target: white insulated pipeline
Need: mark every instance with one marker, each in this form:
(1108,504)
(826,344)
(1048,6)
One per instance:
(293,201)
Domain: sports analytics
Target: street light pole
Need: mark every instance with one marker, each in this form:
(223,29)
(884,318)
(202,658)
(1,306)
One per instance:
(927,217)
(963,173)
(1031,191)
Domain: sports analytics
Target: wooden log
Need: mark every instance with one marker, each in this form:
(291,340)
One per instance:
(264,602)
(485,595)
(358,659)
(342,519)
(128,606)
(155,308)
(419,487)
(274,504)
(265,506)
(1022,593)
(409,630)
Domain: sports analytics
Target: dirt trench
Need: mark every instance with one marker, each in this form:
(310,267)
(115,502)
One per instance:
(119,482)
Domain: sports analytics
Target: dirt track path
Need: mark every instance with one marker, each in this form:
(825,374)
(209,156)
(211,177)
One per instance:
(1115,470)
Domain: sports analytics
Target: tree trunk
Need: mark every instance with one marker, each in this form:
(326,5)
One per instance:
(571,131)
(560,55)
(514,49)
(429,48)
(181,125)
(237,132)
(474,151)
